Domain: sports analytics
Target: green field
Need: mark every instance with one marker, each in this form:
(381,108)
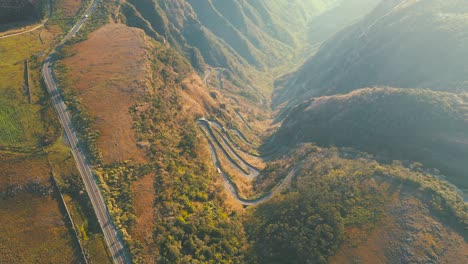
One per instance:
(20,121)
(11,130)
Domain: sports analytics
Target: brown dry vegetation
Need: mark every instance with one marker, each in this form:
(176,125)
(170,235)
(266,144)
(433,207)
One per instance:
(18,170)
(196,99)
(109,73)
(129,86)
(33,230)
(144,211)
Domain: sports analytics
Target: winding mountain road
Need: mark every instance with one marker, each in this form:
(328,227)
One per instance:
(238,162)
(243,120)
(207,75)
(233,158)
(235,131)
(229,185)
(111,237)
(229,143)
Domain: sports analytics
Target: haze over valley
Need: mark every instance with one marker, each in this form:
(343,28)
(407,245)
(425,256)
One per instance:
(233,131)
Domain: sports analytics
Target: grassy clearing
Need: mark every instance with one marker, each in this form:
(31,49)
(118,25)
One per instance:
(32,223)
(23,169)
(11,131)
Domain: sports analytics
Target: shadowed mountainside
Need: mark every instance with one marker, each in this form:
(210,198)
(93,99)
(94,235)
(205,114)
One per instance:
(415,44)
(419,125)
(406,44)
(244,37)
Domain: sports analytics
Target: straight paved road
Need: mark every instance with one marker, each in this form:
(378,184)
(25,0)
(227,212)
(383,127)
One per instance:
(112,239)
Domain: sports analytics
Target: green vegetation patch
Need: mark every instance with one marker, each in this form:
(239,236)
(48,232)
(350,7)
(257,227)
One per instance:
(11,130)
(20,122)
(336,189)
(116,181)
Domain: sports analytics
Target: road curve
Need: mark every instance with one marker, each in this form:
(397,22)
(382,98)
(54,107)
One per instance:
(253,171)
(265,156)
(243,120)
(112,239)
(237,162)
(230,186)
(207,75)
(238,134)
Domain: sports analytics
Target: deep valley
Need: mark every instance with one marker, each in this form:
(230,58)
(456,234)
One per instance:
(232,131)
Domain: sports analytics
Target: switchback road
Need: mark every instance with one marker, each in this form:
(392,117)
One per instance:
(229,185)
(241,165)
(112,239)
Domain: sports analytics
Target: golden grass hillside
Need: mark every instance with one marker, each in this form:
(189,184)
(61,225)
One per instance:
(108,73)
